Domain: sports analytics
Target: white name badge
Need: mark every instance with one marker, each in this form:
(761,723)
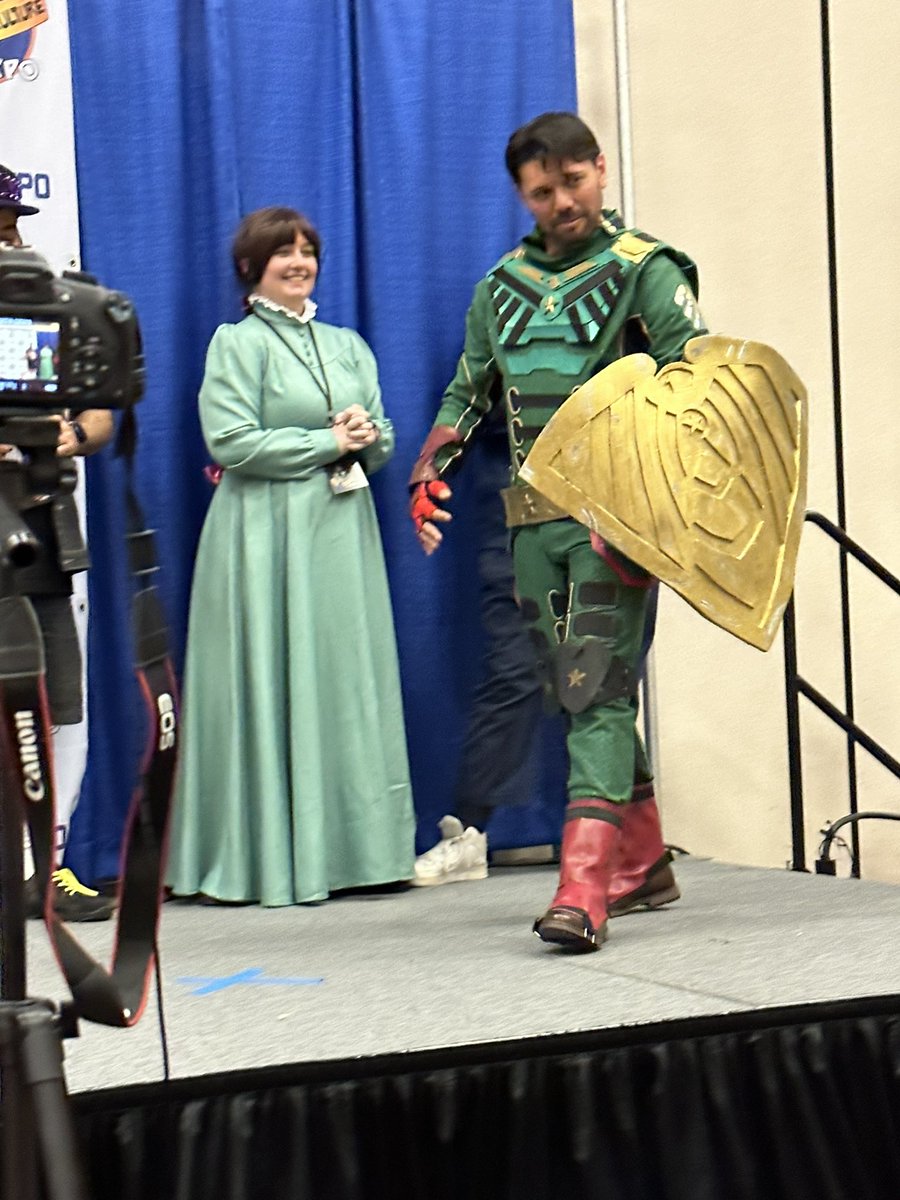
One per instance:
(347,477)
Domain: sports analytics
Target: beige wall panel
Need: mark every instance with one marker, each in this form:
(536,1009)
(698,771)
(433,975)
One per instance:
(865,39)
(729,165)
(596,72)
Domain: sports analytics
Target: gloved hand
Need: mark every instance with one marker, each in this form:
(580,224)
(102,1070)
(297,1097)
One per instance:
(425,512)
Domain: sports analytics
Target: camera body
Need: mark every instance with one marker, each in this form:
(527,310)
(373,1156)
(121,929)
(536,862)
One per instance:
(66,342)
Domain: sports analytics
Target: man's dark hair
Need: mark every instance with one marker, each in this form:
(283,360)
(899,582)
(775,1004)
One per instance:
(263,232)
(552,135)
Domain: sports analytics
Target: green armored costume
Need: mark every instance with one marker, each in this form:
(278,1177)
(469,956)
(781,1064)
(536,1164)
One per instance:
(543,325)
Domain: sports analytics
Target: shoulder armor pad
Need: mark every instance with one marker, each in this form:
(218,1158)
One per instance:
(509,256)
(633,246)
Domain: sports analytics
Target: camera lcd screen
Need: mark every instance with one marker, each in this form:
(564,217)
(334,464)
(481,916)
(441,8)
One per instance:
(29,356)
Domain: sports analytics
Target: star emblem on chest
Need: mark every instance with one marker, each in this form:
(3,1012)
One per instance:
(576,678)
(550,305)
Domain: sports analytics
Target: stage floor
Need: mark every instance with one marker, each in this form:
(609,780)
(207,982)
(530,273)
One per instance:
(457,965)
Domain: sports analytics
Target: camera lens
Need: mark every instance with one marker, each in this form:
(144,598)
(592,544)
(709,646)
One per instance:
(19,548)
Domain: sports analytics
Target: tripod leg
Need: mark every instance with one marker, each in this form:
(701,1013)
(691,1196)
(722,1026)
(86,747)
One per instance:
(12,899)
(42,1059)
(18,1175)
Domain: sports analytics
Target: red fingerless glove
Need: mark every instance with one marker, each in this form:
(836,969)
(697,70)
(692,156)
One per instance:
(422,501)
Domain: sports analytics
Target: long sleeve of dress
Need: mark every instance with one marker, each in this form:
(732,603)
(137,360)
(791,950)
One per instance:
(230,399)
(375,456)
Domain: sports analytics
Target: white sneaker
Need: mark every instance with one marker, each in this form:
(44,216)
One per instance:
(461,854)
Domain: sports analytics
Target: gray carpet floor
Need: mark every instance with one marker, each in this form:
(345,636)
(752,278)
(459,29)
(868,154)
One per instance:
(457,965)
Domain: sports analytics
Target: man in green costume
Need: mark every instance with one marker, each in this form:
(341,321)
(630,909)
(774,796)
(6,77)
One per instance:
(578,293)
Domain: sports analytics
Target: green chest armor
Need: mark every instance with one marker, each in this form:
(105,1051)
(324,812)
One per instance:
(556,324)
(554,330)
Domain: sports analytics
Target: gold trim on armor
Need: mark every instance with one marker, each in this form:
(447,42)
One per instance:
(631,247)
(525,506)
(514,409)
(579,269)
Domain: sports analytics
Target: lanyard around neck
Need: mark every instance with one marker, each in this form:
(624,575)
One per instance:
(321,384)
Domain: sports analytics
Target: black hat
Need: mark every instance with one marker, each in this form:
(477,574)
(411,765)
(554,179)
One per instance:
(11,194)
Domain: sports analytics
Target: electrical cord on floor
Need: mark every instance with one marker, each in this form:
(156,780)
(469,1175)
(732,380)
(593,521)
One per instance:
(160,1012)
(838,843)
(825,865)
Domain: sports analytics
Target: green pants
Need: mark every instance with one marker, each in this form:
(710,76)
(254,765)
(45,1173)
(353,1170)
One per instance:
(570,594)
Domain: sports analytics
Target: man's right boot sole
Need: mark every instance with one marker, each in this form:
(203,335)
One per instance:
(562,934)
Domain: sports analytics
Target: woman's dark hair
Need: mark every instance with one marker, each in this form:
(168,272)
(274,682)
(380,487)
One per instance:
(552,135)
(261,233)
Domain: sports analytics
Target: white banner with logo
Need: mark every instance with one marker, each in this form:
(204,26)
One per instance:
(37,142)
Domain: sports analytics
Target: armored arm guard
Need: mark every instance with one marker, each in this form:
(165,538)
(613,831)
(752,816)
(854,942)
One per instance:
(467,400)
(426,467)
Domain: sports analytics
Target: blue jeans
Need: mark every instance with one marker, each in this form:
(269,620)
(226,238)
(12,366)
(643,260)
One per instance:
(499,761)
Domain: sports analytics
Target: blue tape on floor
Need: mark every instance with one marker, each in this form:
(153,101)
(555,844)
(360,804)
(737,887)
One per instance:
(252,977)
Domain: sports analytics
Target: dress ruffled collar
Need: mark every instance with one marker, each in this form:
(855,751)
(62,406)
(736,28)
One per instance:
(303,318)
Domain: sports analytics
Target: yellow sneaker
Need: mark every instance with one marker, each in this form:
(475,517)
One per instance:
(72,900)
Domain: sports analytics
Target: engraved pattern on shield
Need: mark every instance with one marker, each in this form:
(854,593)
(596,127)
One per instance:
(697,474)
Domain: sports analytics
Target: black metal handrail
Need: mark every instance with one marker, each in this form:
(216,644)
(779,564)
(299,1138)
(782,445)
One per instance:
(796,685)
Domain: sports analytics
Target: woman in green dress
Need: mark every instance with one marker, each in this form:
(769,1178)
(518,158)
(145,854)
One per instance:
(293,779)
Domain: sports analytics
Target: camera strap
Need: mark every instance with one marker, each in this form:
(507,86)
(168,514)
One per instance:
(73,555)
(25,726)
(116,996)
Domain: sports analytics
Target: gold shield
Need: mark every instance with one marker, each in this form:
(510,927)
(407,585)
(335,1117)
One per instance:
(697,473)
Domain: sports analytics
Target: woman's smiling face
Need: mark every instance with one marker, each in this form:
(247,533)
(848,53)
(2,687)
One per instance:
(290,274)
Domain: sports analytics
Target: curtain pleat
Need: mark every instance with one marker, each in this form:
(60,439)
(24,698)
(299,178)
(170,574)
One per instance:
(386,121)
(793,1113)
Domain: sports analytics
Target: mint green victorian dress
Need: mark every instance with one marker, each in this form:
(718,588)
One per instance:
(293,777)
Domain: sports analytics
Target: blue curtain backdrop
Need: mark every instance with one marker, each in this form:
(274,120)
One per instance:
(386,121)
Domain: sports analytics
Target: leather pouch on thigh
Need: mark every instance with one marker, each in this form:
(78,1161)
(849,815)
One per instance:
(588,673)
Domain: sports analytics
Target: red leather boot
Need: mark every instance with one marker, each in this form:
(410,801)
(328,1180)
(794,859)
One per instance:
(577,917)
(643,876)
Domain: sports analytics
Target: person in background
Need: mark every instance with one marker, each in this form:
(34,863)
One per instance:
(579,292)
(48,585)
(498,762)
(293,780)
